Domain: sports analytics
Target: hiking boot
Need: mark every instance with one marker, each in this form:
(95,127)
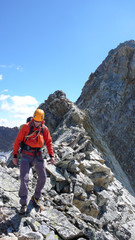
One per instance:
(23,209)
(35,201)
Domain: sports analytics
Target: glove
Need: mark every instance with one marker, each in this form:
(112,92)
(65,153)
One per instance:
(15,161)
(52,160)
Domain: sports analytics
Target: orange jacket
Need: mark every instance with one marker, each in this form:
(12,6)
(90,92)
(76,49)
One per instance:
(36,140)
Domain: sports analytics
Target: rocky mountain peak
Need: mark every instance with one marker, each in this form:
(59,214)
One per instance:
(109,97)
(55,107)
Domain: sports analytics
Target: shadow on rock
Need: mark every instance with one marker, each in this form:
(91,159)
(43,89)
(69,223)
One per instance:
(15,223)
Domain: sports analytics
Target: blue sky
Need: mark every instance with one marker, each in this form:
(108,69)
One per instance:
(49,45)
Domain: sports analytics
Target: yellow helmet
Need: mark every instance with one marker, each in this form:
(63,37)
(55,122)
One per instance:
(39,115)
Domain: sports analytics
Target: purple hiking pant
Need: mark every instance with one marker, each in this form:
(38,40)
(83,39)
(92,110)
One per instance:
(26,162)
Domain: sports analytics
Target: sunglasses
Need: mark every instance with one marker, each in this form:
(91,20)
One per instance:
(37,121)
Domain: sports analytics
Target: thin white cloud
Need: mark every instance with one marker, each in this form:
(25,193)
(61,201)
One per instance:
(11,123)
(18,68)
(7,66)
(4,97)
(1,76)
(3,122)
(18,108)
(3,66)
(5,90)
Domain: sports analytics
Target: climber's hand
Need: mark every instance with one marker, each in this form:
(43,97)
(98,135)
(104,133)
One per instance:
(15,161)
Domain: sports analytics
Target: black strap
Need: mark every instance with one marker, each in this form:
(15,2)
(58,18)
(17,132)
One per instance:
(43,130)
(29,148)
(23,144)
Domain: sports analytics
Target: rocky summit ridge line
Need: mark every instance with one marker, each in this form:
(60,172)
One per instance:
(87,194)
(109,99)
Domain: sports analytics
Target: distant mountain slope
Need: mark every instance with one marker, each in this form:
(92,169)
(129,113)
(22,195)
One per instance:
(109,98)
(7,138)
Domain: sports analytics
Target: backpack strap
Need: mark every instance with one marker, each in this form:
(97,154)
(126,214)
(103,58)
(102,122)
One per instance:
(30,133)
(43,129)
(23,144)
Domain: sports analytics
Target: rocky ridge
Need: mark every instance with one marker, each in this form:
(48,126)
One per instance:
(108,97)
(10,134)
(87,195)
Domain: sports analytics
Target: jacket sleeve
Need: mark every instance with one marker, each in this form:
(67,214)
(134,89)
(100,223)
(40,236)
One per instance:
(18,140)
(48,142)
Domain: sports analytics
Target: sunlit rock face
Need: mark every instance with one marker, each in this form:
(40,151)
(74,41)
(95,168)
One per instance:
(109,98)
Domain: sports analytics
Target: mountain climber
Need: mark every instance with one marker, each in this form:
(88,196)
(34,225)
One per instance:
(33,135)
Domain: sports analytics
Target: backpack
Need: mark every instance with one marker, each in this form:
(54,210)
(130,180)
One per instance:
(23,143)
